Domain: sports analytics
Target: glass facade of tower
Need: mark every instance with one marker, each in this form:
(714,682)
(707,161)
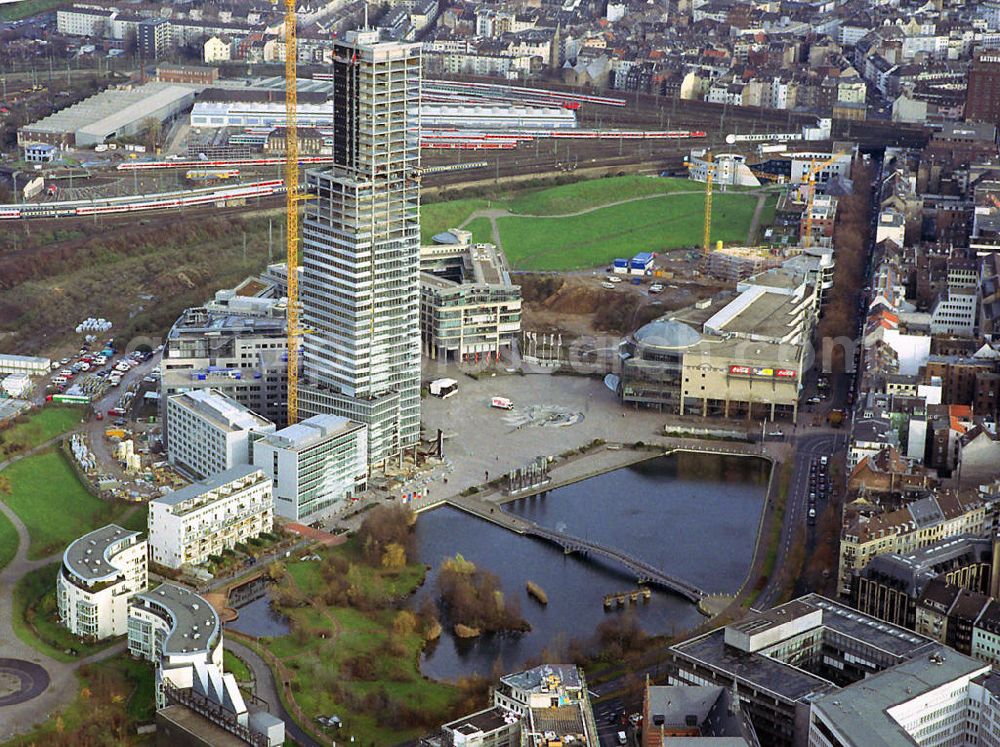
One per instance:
(361,249)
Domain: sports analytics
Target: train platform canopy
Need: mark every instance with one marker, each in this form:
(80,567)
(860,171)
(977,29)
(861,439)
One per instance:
(110,114)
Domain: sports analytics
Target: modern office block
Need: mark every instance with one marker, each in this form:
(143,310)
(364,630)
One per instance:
(316,465)
(209,432)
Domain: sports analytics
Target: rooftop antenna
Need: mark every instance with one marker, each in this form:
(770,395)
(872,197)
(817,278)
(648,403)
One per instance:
(366,16)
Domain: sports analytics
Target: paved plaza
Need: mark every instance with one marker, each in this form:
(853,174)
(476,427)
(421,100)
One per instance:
(553,414)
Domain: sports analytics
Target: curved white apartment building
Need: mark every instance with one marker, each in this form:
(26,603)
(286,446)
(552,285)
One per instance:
(100,572)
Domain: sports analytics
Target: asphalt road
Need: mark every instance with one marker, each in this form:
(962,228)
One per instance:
(267,691)
(808,448)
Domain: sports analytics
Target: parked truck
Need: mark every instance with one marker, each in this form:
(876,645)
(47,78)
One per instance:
(443,388)
(502,403)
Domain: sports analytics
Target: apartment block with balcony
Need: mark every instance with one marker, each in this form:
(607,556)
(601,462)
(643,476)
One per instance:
(181,634)
(205,518)
(99,573)
(177,630)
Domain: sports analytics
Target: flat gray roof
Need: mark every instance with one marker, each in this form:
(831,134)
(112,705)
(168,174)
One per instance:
(198,320)
(794,683)
(487,721)
(111,109)
(89,557)
(481,264)
(224,412)
(859,711)
(10,357)
(194,625)
(769,314)
(198,488)
(761,671)
(311,431)
(531,680)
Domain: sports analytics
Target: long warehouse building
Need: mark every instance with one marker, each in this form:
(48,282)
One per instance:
(108,115)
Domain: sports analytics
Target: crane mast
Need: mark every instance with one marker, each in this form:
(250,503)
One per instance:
(811,192)
(292,210)
(709,173)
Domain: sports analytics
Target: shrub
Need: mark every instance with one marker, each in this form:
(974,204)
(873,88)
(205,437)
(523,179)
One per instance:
(385,526)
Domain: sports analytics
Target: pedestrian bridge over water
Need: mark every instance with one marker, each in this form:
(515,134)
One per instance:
(644,572)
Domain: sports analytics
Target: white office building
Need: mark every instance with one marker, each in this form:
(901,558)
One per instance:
(100,571)
(205,518)
(209,433)
(360,286)
(943,698)
(316,465)
(955,312)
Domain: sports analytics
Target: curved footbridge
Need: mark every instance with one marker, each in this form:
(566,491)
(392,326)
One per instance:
(644,572)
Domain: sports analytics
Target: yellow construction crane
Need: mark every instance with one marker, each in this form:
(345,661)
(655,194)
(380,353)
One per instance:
(292,199)
(709,173)
(811,191)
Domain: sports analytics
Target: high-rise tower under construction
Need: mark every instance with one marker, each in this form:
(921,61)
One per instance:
(360,291)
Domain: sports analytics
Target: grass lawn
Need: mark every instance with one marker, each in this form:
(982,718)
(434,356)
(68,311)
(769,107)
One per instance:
(27,8)
(115,697)
(49,499)
(40,426)
(326,639)
(767,214)
(236,666)
(36,617)
(591,193)
(482,230)
(598,237)
(8,541)
(139,519)
(436,217)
